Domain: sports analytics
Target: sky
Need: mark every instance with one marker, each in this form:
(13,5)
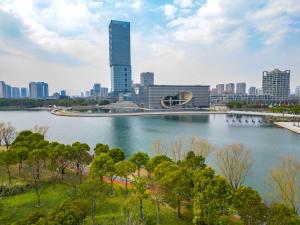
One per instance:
(65,42)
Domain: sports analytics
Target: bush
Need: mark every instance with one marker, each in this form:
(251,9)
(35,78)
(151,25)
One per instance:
(13,190)
(34,218)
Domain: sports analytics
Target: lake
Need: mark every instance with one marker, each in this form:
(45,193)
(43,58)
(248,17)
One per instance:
(266,143)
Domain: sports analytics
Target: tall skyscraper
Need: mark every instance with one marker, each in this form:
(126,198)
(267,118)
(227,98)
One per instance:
(15,91)
(252,91)
(297,91)
(147,78)
(24,92)
(104,92)
(229,88)
(38,90)
(8,91)
(2,89)
(241,88)
(96,89)
(120,57)
(220,88)
(276,83)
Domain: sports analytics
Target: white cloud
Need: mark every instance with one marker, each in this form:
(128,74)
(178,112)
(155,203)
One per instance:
(184,3)
(169,10)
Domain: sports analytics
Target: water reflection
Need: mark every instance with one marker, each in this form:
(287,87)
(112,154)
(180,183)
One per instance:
(192,119)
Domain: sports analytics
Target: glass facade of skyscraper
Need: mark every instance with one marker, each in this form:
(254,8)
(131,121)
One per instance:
(120,57)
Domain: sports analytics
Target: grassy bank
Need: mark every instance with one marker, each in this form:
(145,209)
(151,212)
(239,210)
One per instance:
(16,208)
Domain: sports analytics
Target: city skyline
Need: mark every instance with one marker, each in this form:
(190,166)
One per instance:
(180,39)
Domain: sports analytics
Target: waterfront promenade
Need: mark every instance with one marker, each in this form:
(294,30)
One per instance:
(289,125)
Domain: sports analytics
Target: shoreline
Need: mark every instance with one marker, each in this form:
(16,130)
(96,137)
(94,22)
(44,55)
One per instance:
(79,114)
(289,126)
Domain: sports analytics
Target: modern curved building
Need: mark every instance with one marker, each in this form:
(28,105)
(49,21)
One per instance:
(176,97)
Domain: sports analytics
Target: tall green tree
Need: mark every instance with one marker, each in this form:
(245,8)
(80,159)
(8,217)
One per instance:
(250,206)
(101,164)
(155,161)
(124,169)
(140,188)
(116,154)
(22,155)
(7,159)
(212,197)
(140,159)
(279,214)
(79,155)
(101,148)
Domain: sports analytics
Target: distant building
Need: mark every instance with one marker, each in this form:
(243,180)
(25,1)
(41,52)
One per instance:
(2,89)
(87,94)
(220,88)
(297,91)
(96,90)
(104,92)
(276,83)
(8,91)
(120,58)
(15,92)
(38,90)
(225,98)
(259,91)
(147,78)
(214,91)
(176,97)
(252,91)
(63,93)
(24,92)
(229,88)
(241,88)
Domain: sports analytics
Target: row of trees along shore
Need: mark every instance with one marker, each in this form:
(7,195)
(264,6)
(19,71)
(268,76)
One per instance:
(176,176)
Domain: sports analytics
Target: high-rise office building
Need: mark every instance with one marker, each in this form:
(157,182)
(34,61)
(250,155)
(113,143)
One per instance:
(252,91)
(24,92)
(2,89)
(63,93)
(120,57)
(96,90)
(229,89)
(15,92)
(220,88)
(147,79)
(8,91)
(241,88)
(276,83)
(38,90)
(297,91)
(104,92)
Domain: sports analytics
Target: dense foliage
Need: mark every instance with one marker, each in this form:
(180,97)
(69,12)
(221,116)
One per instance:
(187,185)
(34,103)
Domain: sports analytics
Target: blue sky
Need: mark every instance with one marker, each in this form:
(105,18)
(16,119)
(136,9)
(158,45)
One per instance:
(65,42)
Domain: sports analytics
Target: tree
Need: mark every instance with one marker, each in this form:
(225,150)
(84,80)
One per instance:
(124,169)
(116,154)
(212,197)
(54,155)
(250,206)
(7,159)
(92,190)
(139,159)
(8,133)
(40,129)
(2,124)
(234,162)
(279,214)
(101,165)
(155,161)
(140,188)
(35,159)
(22,154)
(286,180)
(80,156)
(69,213)
(159,148)
(177,185)
(192,161)
(101,148)
(200,147)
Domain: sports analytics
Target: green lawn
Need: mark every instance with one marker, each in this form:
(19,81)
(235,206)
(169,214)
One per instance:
(18,207)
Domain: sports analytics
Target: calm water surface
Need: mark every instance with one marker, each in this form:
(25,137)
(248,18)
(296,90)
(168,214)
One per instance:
(266,143)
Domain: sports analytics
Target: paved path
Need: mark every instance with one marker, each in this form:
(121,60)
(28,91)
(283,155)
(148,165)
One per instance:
(289,125)
(250,113)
